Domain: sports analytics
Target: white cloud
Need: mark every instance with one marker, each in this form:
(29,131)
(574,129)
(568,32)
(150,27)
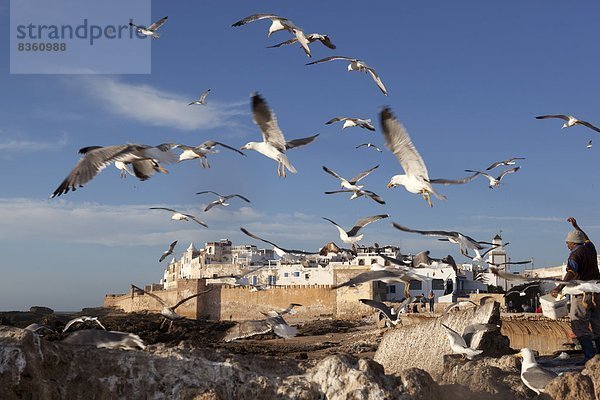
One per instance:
(19,143)
(152,106)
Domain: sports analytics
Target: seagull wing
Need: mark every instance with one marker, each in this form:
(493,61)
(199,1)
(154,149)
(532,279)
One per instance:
(180,302)
(365,221)
(237,195)
(245,329)
(161,301)
(256,17)
(490,178)
(157,24)
(331,58)
(454,181)
(169,251)
(196,219)
(363,174)
(302,40)
(537,376)
(299,142)
(291,251)
(585,123)
(291,41)
(399,143)
(426,233)
(333,173)
(377,80)
(565,117)
(267,121)
(494,165)
(374,196)
(211,205)
(397,261)
(381,307)
(211,143)
(289,309)
(385,275)
(458,339)
(326,41)
(336,119)
(95,159)
(144,169)
(472,329)
(209,191)
(508,171)
(203,96)
(163,208)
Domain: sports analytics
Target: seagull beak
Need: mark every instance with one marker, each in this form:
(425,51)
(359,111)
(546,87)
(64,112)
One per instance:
(390,185)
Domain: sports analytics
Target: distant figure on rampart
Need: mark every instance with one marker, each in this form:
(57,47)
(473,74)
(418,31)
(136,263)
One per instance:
(431,301)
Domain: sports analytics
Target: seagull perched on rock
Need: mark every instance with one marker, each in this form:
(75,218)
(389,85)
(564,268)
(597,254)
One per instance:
(201,151)
(144,160)
(356,65)
(571,121)
(349,122)
(201,100)
(168,312)
(461,344)
(533,376)
(311,37)
(274,144)
(352,235)
(179,216)
(368,145)
(274,322)
(416,179)
(222,199)
(464,242)
(510,161)
(278,24)
(151,30)
(288,251)
(169,251)
(495,182)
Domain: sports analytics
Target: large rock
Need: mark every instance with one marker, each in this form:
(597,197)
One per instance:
(41,310)
(423,345)
(31,367)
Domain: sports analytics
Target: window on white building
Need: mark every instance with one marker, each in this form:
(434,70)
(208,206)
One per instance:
(296,274)
(286,274)
(416,285)
(391,288)
(437,284)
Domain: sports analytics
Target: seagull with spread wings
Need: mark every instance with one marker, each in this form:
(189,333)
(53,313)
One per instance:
(279,24)
(221,201)
(388,313)
(349,122)
(461,344)
(274,144)
(179,216)
(168,312)
(352,236)
(169,251)
(273,322)
(351,184)
(510,161)
(311,37)
(464,242)
(495,182)
(571,121)
(201,151)
(201,100)
(397,140)
(144,160)
(288,251)
(151,30)
(356,65)
(387,275)
(368,145)
(82,319)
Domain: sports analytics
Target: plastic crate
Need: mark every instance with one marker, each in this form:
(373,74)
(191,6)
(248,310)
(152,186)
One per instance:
(553,308)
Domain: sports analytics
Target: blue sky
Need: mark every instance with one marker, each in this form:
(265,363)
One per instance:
(466,78)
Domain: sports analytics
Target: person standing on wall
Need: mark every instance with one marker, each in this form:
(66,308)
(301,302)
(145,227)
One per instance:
(431,301)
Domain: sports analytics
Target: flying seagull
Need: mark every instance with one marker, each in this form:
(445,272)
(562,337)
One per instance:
(589,145)
(168,312)
(350,184)
(151,30)
(352,235)
(179,216)
(416,179)
(311,37)
(105,339)
(289,251)
(464,242)
(201,100)
(222,199)
(82,320)
(368,145)
(387,275)
(389,313)
(278,24)
(533,376)
(274,144)
(143,158)
(349,122)
(510,161)
(274,322)
(461,344)
(169,251)
(571,121)
(495,182)
(356,65)
(201,151)
(359,193)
